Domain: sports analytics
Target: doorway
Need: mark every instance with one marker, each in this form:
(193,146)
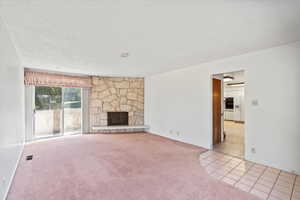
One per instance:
(57,111)
(229,113)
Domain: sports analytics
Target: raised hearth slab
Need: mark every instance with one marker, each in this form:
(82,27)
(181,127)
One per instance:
(119,129)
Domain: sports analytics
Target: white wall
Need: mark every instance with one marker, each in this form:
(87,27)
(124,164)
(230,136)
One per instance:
(182,101)
(11,111)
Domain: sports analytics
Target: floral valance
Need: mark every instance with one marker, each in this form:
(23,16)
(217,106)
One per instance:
(56,80)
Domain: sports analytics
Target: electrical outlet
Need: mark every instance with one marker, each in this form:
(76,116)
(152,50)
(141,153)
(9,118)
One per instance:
(253,150)
(254,102)
(177,133)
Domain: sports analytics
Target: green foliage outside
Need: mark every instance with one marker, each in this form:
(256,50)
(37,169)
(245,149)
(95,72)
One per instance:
(50,98)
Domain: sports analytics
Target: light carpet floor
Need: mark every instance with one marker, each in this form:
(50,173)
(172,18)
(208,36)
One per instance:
(117,167)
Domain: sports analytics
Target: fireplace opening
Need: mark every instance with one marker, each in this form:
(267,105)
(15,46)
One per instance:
(117,118)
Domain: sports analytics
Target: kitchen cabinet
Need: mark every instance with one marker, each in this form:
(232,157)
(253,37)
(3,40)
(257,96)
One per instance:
(229,115)
(237,113)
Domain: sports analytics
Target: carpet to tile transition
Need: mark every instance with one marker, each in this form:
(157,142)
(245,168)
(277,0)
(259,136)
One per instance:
(116,167)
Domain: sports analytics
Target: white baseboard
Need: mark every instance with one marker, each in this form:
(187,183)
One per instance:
(14,172)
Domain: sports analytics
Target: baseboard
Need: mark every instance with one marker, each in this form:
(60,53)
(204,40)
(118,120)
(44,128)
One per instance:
(179,140)
(14,171)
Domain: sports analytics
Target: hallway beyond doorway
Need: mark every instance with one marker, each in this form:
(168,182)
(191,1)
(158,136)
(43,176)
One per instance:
(233,144)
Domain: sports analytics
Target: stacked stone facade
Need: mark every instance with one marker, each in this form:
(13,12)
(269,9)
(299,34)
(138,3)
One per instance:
(115,95)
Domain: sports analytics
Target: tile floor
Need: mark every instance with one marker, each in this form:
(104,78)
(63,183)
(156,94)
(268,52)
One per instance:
(234,142)
(264,182)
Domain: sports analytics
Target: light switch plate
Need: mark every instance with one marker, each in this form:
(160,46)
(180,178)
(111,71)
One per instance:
(254,102)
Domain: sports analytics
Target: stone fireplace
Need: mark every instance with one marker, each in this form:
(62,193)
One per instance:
(116,95)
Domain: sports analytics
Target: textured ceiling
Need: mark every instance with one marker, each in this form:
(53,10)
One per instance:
(88,36)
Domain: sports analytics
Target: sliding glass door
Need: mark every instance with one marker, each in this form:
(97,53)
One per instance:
(57,111)
(72,110)
(48,111)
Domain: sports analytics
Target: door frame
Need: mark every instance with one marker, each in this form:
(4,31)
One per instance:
(212,75)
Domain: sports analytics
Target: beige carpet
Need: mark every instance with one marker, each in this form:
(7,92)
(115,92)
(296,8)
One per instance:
(117,167)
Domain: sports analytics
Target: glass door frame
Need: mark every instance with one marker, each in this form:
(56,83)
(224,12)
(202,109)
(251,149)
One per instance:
(62,131)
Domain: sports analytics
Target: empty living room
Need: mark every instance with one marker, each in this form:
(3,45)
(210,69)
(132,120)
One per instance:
(149,100)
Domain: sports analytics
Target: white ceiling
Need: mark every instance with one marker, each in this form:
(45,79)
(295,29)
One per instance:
(88,36)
